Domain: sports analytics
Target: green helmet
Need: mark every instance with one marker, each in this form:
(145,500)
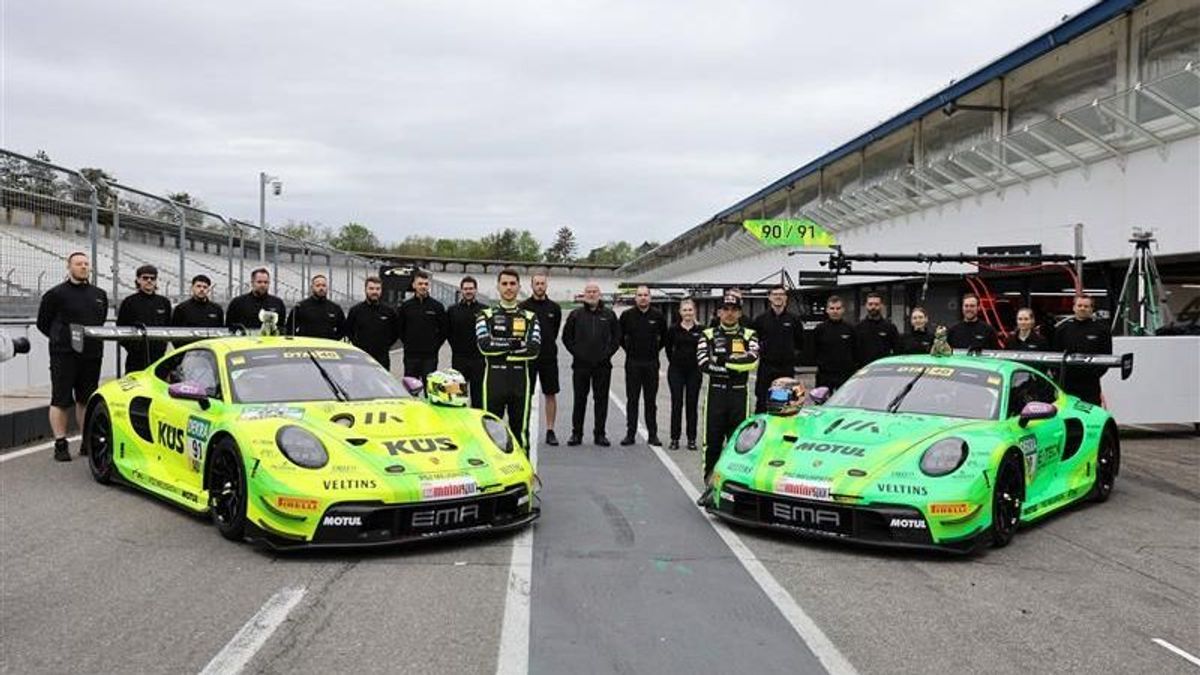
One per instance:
(447,387)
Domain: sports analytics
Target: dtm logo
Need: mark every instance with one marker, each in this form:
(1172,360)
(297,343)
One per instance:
(342,521)
(806,516)
(454,515)
(907,524)
(170,437)
(407,446)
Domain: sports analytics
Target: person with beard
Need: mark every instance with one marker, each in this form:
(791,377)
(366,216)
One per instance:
(464,349)
(683,372)
(317,316)
(1083,334)
(971,333)
(372,325)
(919,339)
(243,310)
(545,369)
(592,335)
(423,328)
(643,334)
(144,308)
(779,338)
(834,346)
(197,311)
(875,336)
(73,376)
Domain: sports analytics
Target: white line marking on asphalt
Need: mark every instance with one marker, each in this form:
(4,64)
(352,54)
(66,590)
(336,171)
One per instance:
(29,451)
(805,627)
(514,629)
(1167,645)
(255,633)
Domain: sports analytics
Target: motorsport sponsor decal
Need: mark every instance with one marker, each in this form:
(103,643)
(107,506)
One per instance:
(449,488)
(950,509)
(297,503)
(348,484)
(1083,406)
(832,448)
(263,412)
(127,383)
(449,516)
(151,480)
(197,435)
(320,354)
(380,417)
(901,489)
(341,521)
(740,467)
(726,496)
(407,446)
(1029,449)
(804,489)
(808,517)
(931,371)
(907,524)
(856,425)
(510,469)
(170,437)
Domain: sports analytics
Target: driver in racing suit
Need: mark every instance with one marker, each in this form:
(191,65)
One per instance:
(728,353)
(509,339)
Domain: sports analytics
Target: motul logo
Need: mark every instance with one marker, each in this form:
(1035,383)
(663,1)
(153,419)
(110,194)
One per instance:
(342,521)
(907,524)
(455,515)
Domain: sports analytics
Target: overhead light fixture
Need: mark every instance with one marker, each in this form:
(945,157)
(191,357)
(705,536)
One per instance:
(954,106)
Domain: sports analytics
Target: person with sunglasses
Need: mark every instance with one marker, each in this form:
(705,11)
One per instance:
(144,308)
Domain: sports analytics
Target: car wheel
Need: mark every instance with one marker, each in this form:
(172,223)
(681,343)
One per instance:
(227,489)
(97,436)
(1108,463)
(1007,496)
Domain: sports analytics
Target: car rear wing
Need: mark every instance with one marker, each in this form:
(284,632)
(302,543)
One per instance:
(1058,359)
(146,334)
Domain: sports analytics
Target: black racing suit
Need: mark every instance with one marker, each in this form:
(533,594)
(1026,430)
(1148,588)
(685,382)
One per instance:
(643,334)
(193,313)
(464,347)
(143,309)
(422,330)
(243,310)
(592,335)
(974,335)
(372,327)
(509,339)
(727,355)
(317,317)
(1083,337)
(835,352)
(779,338)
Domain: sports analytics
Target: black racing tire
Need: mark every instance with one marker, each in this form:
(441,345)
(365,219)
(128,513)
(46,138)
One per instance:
(227,489)
(1008,494)
(1108,464)
(98,441)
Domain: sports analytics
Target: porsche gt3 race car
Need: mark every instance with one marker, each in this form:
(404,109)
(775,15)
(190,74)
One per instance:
(303,442)
(945,452)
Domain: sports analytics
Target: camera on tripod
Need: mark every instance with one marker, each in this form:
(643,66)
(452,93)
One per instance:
(10,347)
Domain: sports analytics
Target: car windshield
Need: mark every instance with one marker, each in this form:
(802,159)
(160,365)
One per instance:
(924,389)
(279,375)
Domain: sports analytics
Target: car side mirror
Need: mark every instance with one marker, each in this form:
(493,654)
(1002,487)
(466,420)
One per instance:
(1036,410)
(189,391)
(414,385)
(819,395)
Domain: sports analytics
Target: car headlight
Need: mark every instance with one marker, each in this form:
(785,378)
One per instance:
(943,457)
(498,432)
(749,436)
(301,447)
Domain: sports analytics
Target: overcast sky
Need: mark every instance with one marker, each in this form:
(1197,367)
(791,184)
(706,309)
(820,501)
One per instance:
(624,120)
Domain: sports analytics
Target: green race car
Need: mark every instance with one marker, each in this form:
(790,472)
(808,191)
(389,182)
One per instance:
(945,452)
(304,442)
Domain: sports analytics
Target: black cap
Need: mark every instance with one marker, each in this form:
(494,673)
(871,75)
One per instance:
(147,269)
(731,300)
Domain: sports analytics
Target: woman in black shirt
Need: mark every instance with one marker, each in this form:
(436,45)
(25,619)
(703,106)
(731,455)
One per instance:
(1027,338)
(683,374)
(919,339)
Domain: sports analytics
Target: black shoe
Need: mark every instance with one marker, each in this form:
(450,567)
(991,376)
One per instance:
(62,453)
(691,445)
(654,441)
(628,440)
(674,444)
(602,441)
(705,497)
(551,439)
(575,440)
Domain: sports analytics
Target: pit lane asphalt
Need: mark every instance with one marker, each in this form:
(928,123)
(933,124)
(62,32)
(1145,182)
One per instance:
(94,579)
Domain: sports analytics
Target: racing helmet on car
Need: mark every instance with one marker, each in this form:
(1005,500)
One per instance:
(785,396)
(447,387)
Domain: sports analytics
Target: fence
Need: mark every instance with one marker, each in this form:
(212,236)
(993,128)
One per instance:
(51,211)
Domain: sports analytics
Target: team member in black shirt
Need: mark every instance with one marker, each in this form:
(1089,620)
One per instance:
(1027,338)
(243,310)
(919,339)
(317,316)
(834,346)
(197,311)
(643,334)
(144,308)
(683,372)
(464,348)
(73,376)
(592,335)
(971,333)
(423,328)
(780,335)
(875,336)
(373,326)
(545,368)
(1083,334)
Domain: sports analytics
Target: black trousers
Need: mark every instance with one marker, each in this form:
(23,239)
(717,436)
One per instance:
(1085,386)
(137,356)
(768,373)
(472,369)
(684,384)
(506,394)
(597,379)
(725,406)
(419,366)
(641,381)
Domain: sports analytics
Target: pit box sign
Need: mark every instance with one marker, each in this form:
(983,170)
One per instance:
(798,232)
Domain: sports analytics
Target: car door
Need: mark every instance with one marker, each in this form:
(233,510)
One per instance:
(181,426)
(1040,441)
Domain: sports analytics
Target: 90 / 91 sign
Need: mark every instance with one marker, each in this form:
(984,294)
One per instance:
(799,232)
